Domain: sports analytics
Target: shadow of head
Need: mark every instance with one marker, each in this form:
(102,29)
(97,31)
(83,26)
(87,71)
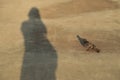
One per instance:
(34,13)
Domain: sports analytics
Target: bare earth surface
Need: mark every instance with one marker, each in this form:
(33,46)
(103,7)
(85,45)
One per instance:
(96,20)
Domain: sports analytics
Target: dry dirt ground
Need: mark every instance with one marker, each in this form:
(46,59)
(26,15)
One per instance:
(96,20)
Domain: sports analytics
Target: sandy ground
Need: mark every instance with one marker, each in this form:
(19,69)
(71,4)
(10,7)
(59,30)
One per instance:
(96,20)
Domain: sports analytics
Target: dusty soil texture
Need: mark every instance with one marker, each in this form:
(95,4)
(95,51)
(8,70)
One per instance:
(48,49)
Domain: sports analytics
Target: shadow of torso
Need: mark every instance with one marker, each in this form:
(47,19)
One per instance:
(40,57)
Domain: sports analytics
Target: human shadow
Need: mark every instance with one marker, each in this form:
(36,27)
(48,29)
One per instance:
(40,57)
